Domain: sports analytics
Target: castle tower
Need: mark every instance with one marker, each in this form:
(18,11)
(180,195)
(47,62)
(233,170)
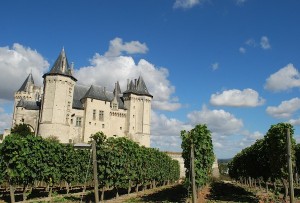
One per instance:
(27,98)
(57,100)
(137,101)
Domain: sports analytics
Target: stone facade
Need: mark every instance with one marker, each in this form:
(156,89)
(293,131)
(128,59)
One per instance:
(72,112)
(178,156)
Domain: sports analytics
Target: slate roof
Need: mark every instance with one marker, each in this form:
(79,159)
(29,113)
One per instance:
(79,92)
(29,80)
(29,105)
(138,88)
(94,92)
(61,66)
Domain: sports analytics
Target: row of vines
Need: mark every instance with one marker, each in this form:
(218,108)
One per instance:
(29,161)
(266,160)
(200,138)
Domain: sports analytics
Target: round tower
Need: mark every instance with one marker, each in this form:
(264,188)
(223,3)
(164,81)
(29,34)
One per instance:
(57,100)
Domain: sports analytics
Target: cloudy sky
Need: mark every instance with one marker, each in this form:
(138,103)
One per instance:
(230,64)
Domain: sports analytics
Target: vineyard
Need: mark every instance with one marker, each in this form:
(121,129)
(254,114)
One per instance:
(44,166)
(265,162)
(33,167)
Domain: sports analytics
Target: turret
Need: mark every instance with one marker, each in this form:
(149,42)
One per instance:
(138,103)
(27,97)
(57,100)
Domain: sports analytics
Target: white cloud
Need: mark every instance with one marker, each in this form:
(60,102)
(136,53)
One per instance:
(250,138)
(218,121)
(165,105)
(5,120)
(105,71)
(215,66)
(165,132)
(264,43)
(285,109)
(242,50)
(251,42)
(116,47)
(295,122)
(284,79)
(186,3)
(237,98)
(15,65)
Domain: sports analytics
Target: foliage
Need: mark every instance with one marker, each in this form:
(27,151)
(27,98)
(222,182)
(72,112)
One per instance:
(297,156)
(266,159)
(200,137)
(20,158)
(122,163)
(21,129)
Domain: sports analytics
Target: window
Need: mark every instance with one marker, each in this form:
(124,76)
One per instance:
(102,125)
(115,106)
(78,121)
(94,114)
(120,128)
(71,121)
(101,115)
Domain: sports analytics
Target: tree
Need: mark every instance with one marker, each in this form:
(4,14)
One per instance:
(21,129)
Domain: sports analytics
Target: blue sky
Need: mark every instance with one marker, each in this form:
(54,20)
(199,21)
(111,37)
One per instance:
(230,64)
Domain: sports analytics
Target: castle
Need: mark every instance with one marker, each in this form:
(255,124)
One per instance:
(73,112)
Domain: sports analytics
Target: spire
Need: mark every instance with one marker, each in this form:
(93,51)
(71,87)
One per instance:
(138,87)
(29,81)
(117,89)
(114,102)
(61,66)
(141,86)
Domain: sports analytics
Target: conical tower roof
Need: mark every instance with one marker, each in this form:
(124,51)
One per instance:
(61,66)
(141,87)
(138,87)
(29,80)
(117,89)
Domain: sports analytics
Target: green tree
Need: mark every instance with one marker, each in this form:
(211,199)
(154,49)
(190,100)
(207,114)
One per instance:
(21,129)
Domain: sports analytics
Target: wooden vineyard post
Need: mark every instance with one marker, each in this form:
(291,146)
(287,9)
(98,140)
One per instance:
(194,193)
(95,173)
(291,186)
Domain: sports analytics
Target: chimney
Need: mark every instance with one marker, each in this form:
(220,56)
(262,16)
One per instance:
(72,68)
